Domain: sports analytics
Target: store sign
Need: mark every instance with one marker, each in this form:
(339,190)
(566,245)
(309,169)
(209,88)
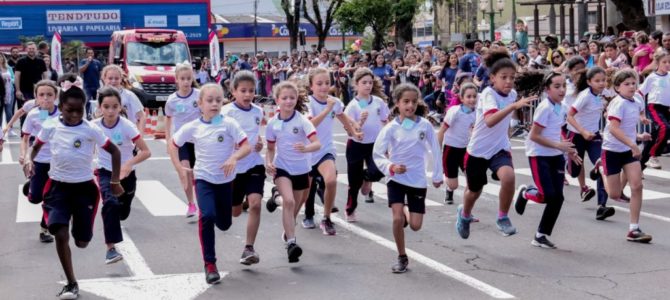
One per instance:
(656,7)
(11,23)
(84,22)
(188,21)
(155,21)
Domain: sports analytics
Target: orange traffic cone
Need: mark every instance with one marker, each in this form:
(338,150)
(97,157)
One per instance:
(147,125)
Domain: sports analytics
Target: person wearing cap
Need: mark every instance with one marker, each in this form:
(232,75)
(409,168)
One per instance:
(459,50)
(391,53)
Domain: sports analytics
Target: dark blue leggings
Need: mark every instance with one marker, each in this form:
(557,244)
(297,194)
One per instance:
(216,205)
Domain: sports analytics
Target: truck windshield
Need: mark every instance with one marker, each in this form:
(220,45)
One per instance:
(156,54)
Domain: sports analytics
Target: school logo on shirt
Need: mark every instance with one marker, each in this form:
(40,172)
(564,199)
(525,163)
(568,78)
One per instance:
(220,139)
(379,111)
(295,130)
(195,105)
(332,115)
(77,143)
(422,135)
(258,121)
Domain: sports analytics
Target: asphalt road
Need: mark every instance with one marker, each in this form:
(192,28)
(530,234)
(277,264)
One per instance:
(163,258)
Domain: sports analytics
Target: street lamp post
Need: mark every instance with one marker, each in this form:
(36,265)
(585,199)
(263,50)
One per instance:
(483,5)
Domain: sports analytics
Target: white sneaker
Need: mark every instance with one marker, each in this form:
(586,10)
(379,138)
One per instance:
(351,218)
(654,163)
(12,133)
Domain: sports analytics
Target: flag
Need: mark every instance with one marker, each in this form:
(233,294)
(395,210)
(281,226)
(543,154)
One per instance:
(215,56)
(56,59)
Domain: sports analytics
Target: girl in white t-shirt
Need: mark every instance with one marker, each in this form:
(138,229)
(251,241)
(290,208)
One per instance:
(180,109)
(489,146)
(292,137)
(545,150)
(454,135)
(123,133)
(401,150)
(370,113)
(656,88)
(113,76)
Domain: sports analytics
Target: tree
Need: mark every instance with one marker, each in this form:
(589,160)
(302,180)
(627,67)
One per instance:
(633,14)
(35,39)
(356,15)
(404,11)
(322,27)
(292,10)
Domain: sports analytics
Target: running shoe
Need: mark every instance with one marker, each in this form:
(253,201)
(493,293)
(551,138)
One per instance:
(46,237)
(13,133)
(294,251)
(334,210)
(308,223)
(449,199)
(70,291)
(191,210)
(542,242)
(112,256)
(505,226)
(401,265)
(638,236)
(271,205)
(520,204)
(604,212)
(370,197)
(462,224)
(249,257)
(587,194)
(623,198)
(654,163)
(26,188)
(212,273)
(351,218)
(327,227)
(595,172)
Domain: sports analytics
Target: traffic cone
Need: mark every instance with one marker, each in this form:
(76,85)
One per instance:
(159,126)
(147,125)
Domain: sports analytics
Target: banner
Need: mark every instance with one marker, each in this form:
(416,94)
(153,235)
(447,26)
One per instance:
(56,58)
(214,53)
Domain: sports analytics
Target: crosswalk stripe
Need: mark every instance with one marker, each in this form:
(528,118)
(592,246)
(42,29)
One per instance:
(656,173)
(380,190)
(26,211)
(158,199)
(7,156)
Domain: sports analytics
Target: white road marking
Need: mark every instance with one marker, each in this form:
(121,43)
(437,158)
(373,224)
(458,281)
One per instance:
(656,173)
(380,190)
(158,200)
(7,155)
(644,214)
(132,257)
(26,211)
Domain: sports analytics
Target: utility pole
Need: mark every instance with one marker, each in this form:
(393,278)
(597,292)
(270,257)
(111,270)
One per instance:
(513,24)
(255,27)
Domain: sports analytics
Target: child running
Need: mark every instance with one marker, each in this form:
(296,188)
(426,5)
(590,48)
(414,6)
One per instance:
(656,88)
(584,117)
(181,108)
(38,171)
(545,150)
(71,195)
(454,135)
(113,76)
(215,139)
(123,133)
(250,179)
(400,151)
(489,146)
(371,113)
(292,137)
(620,150)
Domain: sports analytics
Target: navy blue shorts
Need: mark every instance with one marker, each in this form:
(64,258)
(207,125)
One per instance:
(453,159)
(38,182)
(475,168)
(250,182)
(315,167)
(416,198)
(593,148)
(299,182)
(187,152)
(72,201)
(613,162)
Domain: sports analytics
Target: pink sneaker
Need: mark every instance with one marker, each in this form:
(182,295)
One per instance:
(191,210)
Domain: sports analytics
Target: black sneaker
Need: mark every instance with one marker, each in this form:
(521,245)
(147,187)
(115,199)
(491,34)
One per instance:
(543,242)
(370,198)
(449,199)
(587,194)
(271,205)
(26,188)
(46,237)
(604,212)
(334,210)
(595,173)
(70,291)
(520,204)
(401,265)
(638,236)
(212,273)
(294,251)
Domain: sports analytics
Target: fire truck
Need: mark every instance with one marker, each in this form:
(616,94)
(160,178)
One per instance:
(149,57)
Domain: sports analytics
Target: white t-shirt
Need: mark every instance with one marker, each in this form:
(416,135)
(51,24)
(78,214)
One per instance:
(250,122)
(486,142)
(123,134)
(408,147)
(286,133)
(459,123)
(551,117)
(132,104)
(33,125)
(28,105)
(378,114)
(72,150)
(628,113)
(182,109)
(588,110)
(214,144)
(657,89)
(570,96)
(325,128)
